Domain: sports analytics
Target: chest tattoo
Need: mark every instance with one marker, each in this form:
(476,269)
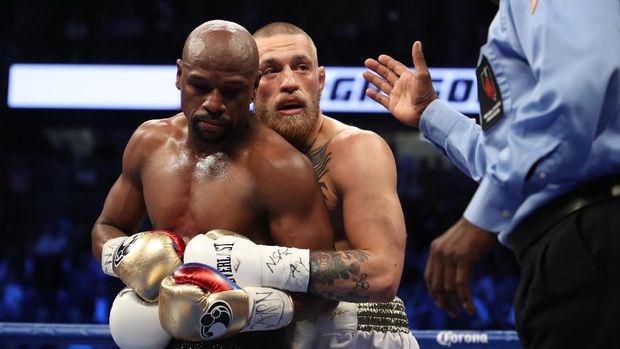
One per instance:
(320,158)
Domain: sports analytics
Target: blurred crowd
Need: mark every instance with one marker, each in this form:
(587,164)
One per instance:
(141,31)
(57,166)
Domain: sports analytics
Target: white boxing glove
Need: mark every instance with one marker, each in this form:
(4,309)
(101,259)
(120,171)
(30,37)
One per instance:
(134,323)
(248,264)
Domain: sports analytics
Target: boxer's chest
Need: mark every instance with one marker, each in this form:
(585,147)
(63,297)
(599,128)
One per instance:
(194,196)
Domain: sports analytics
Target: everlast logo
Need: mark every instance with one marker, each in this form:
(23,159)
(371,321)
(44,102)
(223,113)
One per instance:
(224,265)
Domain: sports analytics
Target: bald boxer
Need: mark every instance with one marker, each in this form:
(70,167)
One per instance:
(357,174)
(210,166)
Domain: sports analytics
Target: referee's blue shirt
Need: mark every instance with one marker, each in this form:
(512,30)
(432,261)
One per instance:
(557,68)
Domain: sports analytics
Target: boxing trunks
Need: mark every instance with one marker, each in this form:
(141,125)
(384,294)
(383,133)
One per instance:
(357,325)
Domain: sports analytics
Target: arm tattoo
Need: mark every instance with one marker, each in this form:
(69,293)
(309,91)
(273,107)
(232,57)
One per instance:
(320,158)
(326,267)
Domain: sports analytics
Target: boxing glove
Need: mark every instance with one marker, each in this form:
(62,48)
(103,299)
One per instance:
(248,264)
(134,323)
(198,303)
(142,260)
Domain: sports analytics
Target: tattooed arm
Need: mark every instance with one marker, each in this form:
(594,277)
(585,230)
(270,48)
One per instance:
(337,275)
(361,171)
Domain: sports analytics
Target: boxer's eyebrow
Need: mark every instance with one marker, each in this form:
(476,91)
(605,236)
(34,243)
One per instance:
(295,59)
(269,60)
(301,57)
(233,80)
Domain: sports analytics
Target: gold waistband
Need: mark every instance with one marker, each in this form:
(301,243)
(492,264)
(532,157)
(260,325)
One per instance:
(382,317)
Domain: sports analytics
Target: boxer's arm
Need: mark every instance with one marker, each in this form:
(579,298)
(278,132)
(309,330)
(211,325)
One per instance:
(144,259)
(298,217)
(363,170)
(124,206)
(121,215)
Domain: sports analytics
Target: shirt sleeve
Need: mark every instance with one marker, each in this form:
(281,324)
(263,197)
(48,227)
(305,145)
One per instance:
(456,136)
(571,51)
(571,48)
(459,138)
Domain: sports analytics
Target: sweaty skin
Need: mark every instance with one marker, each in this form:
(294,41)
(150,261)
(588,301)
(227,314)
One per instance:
(355,168)
(213,165)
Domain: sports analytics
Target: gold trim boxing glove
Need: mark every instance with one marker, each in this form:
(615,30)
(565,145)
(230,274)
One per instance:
(142,260)
(198,303)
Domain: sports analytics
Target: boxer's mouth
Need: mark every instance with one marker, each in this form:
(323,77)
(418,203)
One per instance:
(290,107)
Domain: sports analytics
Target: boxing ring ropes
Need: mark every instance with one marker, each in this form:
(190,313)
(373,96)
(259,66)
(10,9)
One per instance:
(98,337)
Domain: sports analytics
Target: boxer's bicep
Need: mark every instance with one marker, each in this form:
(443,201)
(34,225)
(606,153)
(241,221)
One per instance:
(374,223)
(364,174)
(124,206)
(366,181)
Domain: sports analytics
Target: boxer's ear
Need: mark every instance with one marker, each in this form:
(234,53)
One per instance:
(179,72)
(321,78)
(256,82)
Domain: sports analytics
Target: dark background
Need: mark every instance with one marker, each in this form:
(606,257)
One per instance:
(58,165)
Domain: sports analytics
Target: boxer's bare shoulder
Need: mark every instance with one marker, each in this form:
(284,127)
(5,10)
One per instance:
(339,156)
(149,137)
(278,167)
(153,133)
(346,149)
(271,152)
(346,139)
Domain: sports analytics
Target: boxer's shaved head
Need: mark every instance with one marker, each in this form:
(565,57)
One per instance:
(217,75)
(212,39)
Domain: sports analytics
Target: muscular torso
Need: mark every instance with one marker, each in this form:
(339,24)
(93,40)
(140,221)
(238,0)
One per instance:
(192,194)
(258,186)
(186,197)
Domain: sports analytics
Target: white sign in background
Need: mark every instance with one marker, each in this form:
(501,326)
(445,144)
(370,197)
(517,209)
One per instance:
(149,87)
